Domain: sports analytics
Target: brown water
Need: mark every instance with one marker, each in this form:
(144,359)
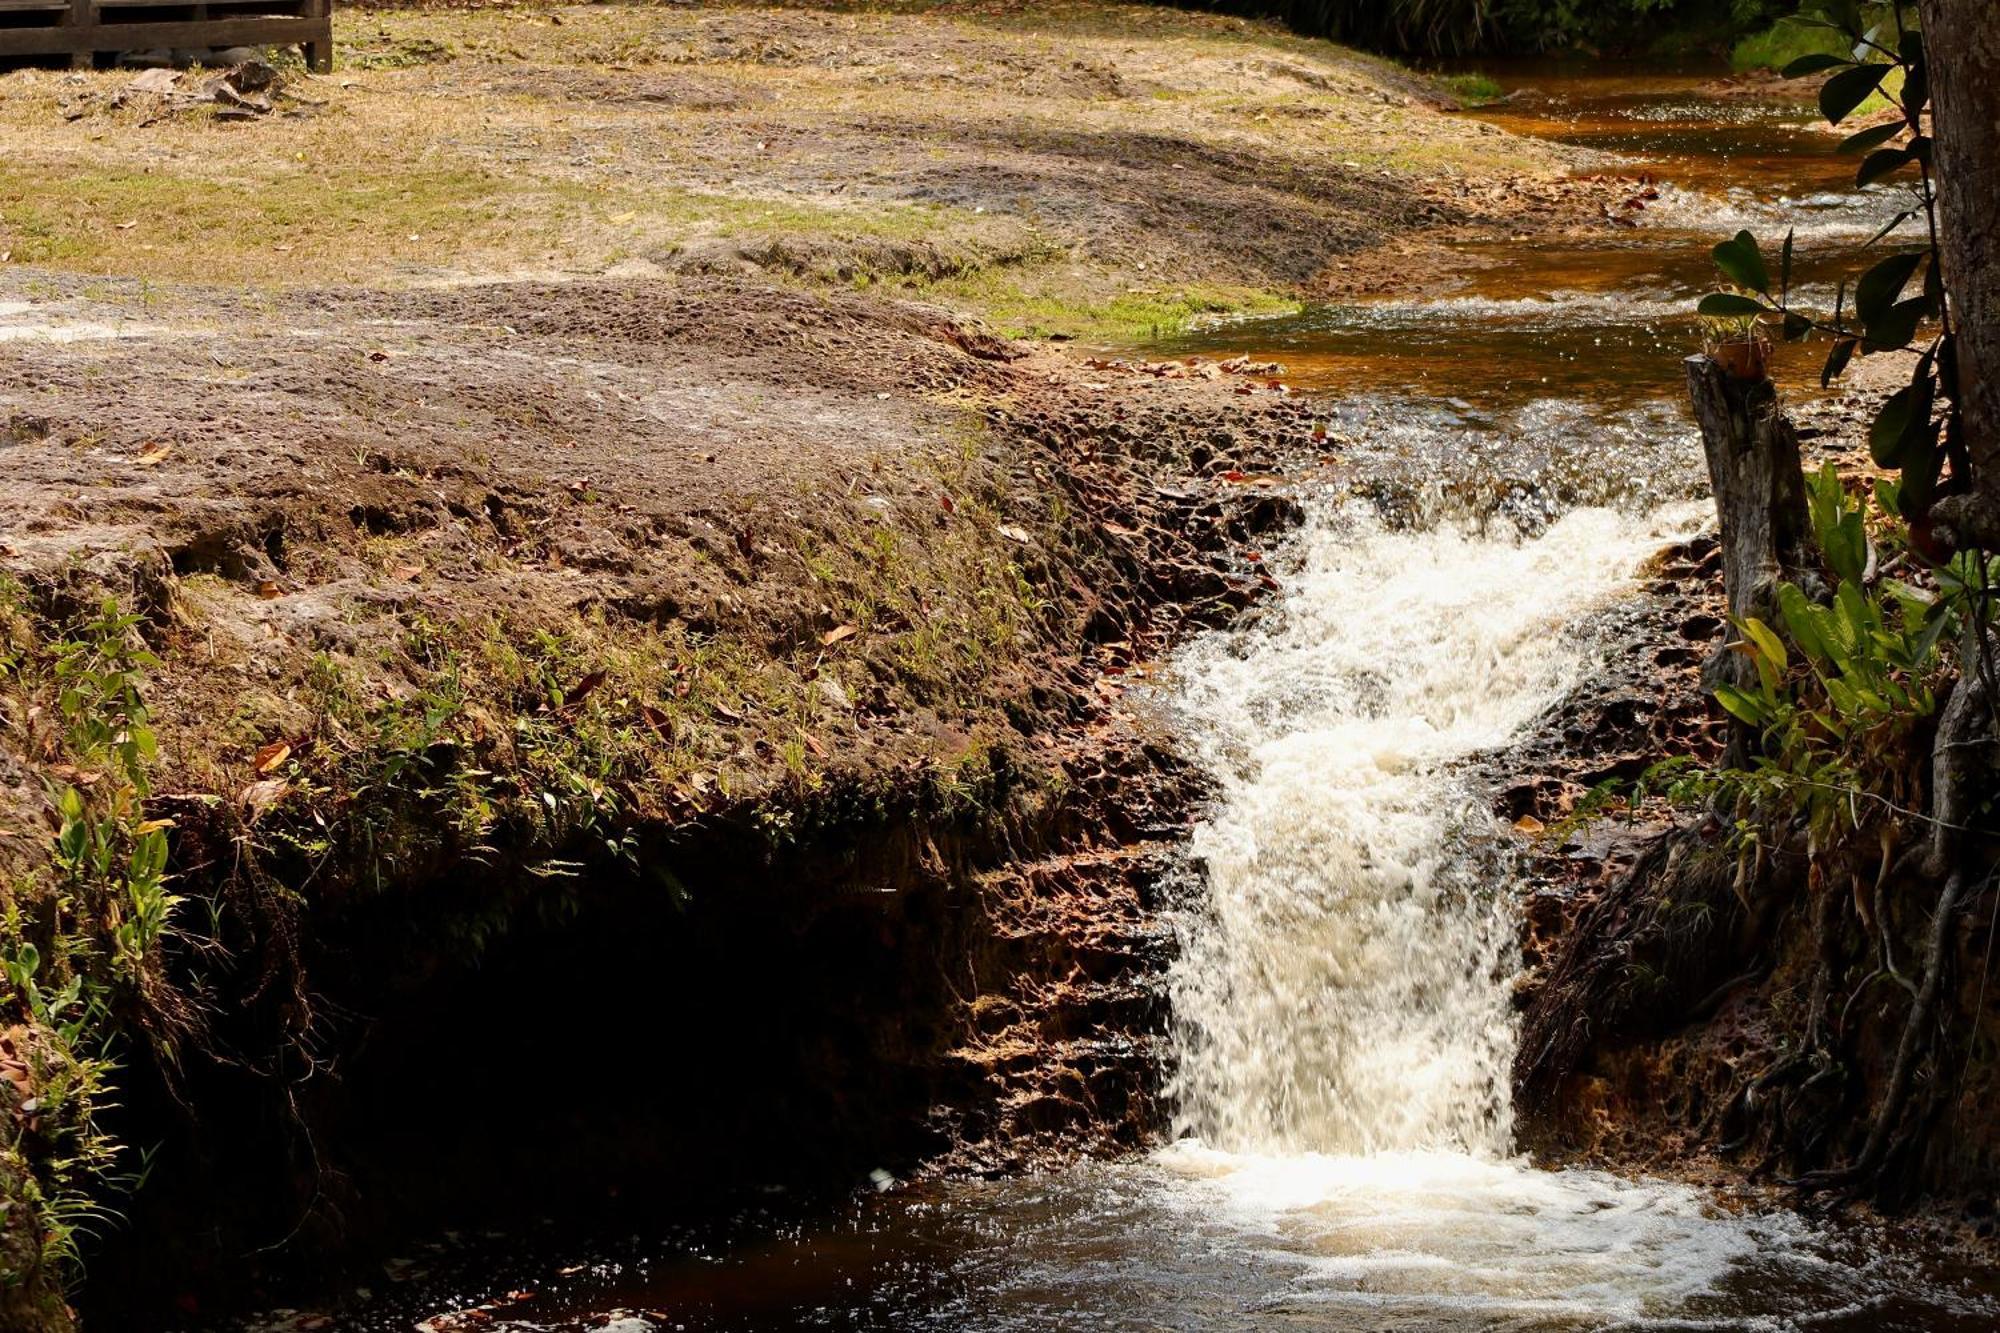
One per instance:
(1608,315)
(1342,1027)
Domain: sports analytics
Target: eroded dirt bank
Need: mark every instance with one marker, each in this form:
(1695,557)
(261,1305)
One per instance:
(1728,1013)
(734,649)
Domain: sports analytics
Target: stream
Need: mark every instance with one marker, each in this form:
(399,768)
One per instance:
(1342,1031)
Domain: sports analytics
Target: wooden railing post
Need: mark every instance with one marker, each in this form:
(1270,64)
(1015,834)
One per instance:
(319,53)
(82,19)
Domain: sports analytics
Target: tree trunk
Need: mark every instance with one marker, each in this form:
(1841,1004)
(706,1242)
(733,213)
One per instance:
(1760,502)
(1962,46)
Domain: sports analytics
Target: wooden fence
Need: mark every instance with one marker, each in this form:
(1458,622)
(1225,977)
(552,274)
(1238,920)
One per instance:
(80,29)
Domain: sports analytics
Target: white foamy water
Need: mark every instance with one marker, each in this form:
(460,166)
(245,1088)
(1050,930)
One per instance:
(1342,1000)
(1344,988)
(1828,217)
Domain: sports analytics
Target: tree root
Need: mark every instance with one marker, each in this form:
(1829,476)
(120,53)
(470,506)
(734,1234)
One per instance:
(1908,1052)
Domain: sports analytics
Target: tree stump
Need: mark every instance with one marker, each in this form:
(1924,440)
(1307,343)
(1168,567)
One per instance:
(1760,502)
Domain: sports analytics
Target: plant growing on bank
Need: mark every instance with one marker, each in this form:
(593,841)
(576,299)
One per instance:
(1847,683)
(80,942)
(1835,710)
(1457,27)
(1899,305)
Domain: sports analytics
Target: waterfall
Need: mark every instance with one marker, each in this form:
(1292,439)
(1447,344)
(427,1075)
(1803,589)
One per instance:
(1343,987)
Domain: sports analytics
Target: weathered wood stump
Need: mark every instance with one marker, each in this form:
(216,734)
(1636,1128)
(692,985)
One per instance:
(1760,502)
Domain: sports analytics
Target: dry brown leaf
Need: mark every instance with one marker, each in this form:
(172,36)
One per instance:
(270,756)
(1529,824)
(261,796)
(836,634)
(583,687)
(154,453)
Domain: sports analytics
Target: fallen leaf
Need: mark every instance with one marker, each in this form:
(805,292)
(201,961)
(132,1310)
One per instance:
(1014,532)
(270,756)
(812,743)
(261,796)
(839,632)
(267,590)
(1529,824)
(154,453)
(583,687)
(406,572)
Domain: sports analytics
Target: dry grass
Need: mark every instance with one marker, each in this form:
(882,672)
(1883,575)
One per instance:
(453,145)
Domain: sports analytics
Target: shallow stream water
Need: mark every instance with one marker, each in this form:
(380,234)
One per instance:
(1342,1028)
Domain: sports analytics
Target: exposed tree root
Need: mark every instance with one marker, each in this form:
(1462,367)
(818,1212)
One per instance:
(1909,1050)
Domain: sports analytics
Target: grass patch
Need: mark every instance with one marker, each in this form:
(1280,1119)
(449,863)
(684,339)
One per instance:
(1782,43)
(82,934)
(294,225)
(1068,300)
(1473,89)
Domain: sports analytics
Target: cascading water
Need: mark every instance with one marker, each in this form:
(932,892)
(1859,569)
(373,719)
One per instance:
(1344,988)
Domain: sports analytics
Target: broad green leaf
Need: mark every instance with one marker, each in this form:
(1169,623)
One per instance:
(1881,285)
(1916,92)
(1812,64)
(1744,707)
(1848,90)
(1890,226)
(1728,304)
(1882,162)
(1872,137)
(1801,619)
(1895,329)
(1742,262)
(1769,645)
(1887,494)
(1891,424)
